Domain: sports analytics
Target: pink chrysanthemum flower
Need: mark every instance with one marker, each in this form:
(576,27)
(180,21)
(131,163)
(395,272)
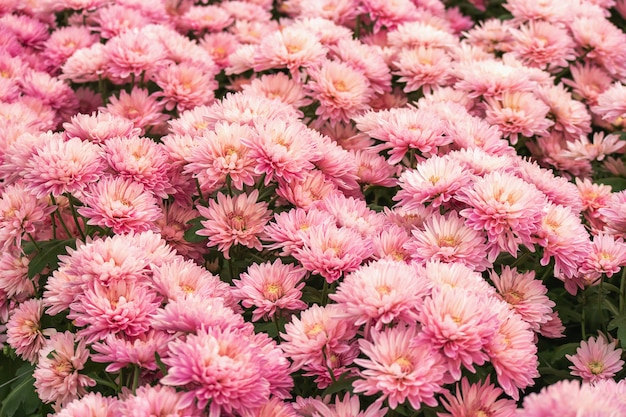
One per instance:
(563,237)
(342,91)
(92,405)
(433,181)
(140,107)
(398,371)
(452,325)
(512,351)
(279,86)
(218,367)
(596,359)
(142,160)
(613,214)
(381,293)
(133,53)
(284,230)
(507,207)
(14,280)
(389,243)
(220,153)
(332,251)
(24,333)
(491,78)
(477,400)
(446,276)
(588,81)
(86,64)
(234,221)
(570,116)
(119,352)
(99,127)
(271,288)
(525,294)
(607,256)
(374,169)
(63,42)
(304,193)
(220,45)
(115,19)
(121,204)
(352,213)
(122,308)
(209,18)
(21,213)
(367,59)
(61,166)
(316,336)
(186,85)
(57,376)
(387,14)
(281,149)
(449,239)
(158,400)
(173,225)
(423,68)
(544,45)
(601,146)
(518,113)
(593,196)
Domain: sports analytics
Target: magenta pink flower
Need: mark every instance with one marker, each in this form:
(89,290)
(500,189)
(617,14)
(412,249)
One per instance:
(99,127)
(382,293)
(24,332)
(119,352)
(140,107)
(607,256)
(271,288)
(218,367)
(234,221)
(477,399)
(596,359)
(185,86)
(133,53)
(158,400)
(57,376)
(423,68)
(397,371)
(285,229)
(121,204)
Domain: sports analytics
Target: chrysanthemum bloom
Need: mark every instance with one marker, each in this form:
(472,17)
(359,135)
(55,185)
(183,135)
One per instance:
(140,107)
(63,42)
(381,293)
(352,213)
(292,47)
(50,91)
(30,31)
(397,371)
(594,197)
(607,256)
(304,193)
(596,359)
(570,116)
(220,153)
(61,166)
(433,181)
(284,230)
(14,280)
(452,325)
(476,400)
(422,68)
(613,214)
(594,151)
(386,14)
(182,278)
(316,336)
(507,207)
(563,237)
(525,294)
(588,81)
(122,307)
(337,164)
(21,213)
(449,239)
(141,160)
(389,243)
(554,328)
(341,12)
(219,45)
(99,127)
(544,45)
(517,114)
(218,367)
(192,313)
(121,204)
(332,251)
(367,59)
(158,400)
(342,91)
(512,351)
(133,53)
(115,19)
(24,333)
(279,86)
(446,276)
(209,18)
(271,289)
(234,221)
(173,225)
(93,405)
(374,169)
(491,78)
(86,64)
(119,352)
(186,85)
(281,149)
(57,376)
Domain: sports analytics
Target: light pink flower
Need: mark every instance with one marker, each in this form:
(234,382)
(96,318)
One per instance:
(279,86)
(92,405)
(140,107)
(271,288)
(387,14)
(543,45)
(607,256)
(121,204)
(99,127)
(133,53)
(119,352)
(570,116)
(491,78)
(446,276)
(173,225)
(234,221)
(525,294)
(596,359)
(63,42)
(24,333)
(474,399)
(397,371)
(588,81)
(158,400)
(423,68)
(218,367)
(381,293)
(304,193)
(613,214)
(284,230)
(331,251)
(352,213)
(449,239)
(186,85)
(57,376)
(367,59)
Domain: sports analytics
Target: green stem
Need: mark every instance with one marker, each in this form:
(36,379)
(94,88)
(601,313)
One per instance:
(69,234)
(583,315)
(521,259)
(328,368)
(136,374)
(75,216)
(325,292)
(622,292)
(199,191)
(104,382)
(33,241)
(276,318)
(54,226)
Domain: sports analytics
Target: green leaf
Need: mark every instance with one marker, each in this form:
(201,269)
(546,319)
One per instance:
(159,362)
(22,394)
(618,321)
(621,335)
(266,327)
(49,255)
(190,234)
(343,384)
(616,183)
(566,349)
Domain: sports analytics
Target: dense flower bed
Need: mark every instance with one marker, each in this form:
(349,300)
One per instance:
(312,208)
